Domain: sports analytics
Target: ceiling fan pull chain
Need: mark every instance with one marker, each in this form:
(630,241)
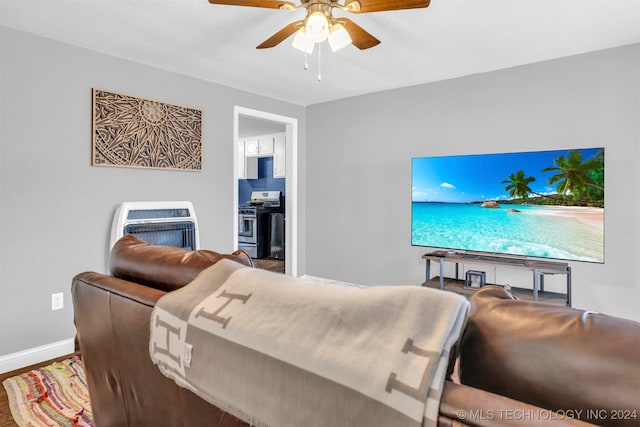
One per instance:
(319,63)
(306,64)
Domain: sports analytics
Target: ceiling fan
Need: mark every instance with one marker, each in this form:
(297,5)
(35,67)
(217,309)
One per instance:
(320,25)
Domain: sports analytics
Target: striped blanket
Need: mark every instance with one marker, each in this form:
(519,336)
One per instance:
(274,350)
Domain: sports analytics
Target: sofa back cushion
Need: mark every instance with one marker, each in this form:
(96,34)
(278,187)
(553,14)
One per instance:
(163,267)
(554,357)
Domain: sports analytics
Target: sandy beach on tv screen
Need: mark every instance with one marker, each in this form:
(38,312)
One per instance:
(588,215)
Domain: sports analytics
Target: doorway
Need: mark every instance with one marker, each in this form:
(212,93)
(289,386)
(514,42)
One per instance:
(263,122)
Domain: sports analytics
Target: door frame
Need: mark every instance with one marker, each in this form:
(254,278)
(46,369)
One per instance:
(291,183)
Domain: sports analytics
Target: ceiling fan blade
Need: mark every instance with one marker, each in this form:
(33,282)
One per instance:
(281,35)
(382,5)
(360,38)
(270,4)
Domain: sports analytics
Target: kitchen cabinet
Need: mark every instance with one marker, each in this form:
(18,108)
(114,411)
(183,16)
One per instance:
(259,147)
(247,166)
(250,149)
(279,156)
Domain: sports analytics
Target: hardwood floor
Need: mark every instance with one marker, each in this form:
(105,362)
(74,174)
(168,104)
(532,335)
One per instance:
(6,420)
(271,264)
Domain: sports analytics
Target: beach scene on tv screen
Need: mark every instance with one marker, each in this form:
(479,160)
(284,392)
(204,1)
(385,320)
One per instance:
(542,204)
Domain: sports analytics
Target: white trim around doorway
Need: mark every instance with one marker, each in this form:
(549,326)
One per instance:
(291,173)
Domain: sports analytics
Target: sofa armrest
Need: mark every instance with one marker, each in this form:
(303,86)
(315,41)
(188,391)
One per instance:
(112,328)
(140,293)
(559,358)
(112,322)
(468,406)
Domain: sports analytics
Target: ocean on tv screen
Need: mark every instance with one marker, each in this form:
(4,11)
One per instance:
(547,232)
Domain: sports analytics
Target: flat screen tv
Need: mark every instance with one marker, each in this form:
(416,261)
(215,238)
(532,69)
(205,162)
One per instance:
(542,204)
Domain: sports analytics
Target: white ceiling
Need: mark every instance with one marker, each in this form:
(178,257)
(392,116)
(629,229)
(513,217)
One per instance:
(450,38)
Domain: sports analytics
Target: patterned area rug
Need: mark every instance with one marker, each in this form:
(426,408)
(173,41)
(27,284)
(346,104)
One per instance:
(55,395)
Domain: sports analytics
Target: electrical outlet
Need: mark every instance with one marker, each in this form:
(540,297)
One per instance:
(57,301)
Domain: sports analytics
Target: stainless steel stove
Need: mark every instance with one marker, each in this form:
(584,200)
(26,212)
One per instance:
(254,222)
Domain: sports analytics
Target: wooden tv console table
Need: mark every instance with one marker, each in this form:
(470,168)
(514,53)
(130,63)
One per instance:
(539,268)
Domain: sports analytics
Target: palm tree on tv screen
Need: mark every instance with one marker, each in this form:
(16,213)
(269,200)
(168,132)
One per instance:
(577,181)
(575,176)
(519,185)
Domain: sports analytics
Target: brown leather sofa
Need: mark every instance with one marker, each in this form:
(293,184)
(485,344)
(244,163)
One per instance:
(523,364)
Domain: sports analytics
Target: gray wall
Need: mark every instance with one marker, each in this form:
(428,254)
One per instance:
(56,209)
(359,178)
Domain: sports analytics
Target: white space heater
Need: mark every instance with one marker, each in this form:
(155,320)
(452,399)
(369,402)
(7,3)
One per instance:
(159,223)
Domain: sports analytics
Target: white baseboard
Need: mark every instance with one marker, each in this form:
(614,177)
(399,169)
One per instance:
(20,359)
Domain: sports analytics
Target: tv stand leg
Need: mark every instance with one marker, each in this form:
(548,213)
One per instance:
(536,283)
(427,274)
(568,286)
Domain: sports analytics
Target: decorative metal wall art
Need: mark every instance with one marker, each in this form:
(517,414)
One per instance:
(140,133)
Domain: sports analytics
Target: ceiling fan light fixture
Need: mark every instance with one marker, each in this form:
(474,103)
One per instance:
(317,27)
(338,37)
(302,42)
